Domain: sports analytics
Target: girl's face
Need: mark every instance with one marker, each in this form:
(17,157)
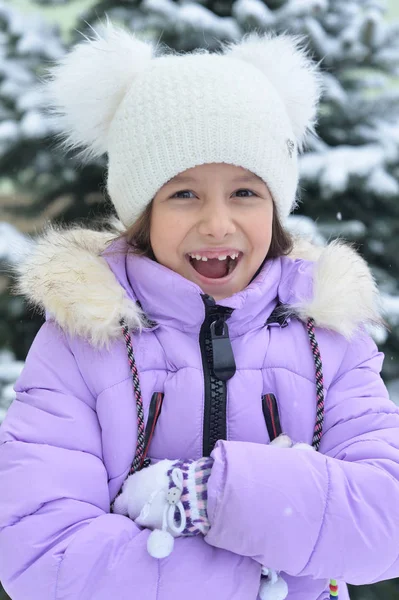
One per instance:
(212,224)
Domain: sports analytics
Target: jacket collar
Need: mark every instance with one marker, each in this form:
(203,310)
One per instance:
(168,298)
(87,283)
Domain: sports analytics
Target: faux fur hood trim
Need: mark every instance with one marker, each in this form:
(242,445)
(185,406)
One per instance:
(62,273)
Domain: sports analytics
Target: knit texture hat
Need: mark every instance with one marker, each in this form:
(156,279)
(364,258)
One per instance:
(252,105)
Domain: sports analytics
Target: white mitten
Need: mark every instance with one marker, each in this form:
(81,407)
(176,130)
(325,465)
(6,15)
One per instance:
(284,441)
(170,498)
(140,487)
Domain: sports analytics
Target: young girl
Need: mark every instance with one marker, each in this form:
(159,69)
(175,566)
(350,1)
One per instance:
(136,459)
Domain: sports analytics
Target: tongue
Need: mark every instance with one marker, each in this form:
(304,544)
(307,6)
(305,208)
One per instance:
(212,268)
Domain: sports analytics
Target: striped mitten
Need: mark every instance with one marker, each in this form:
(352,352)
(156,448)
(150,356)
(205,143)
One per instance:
(181,507)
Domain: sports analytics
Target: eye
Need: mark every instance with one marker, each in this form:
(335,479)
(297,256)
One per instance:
(179,194)
(240,195)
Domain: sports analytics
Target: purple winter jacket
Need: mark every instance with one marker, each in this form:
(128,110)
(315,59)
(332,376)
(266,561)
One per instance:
(69,438)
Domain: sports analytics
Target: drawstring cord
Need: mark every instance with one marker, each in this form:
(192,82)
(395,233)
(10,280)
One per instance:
(139,460)
(318,430)
(139,457)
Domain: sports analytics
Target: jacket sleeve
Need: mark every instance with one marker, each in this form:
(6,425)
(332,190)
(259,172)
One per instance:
(58,539)
(327,514)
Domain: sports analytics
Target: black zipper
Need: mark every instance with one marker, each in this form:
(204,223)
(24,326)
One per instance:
(219,366)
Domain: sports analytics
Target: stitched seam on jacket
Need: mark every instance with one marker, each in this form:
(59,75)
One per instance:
(323,519)
(387,570)
(158,580)
(262,368)
(140,373)
(311,380)
(57,576)
(113,385)
(122,473)
(220,487)
(356,366)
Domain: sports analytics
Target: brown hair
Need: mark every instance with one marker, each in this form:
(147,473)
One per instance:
(138,236)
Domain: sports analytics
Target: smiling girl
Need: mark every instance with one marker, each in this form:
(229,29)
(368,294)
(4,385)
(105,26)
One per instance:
(191,227)
(201,414)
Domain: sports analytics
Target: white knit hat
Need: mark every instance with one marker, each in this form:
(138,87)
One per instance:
(250,105)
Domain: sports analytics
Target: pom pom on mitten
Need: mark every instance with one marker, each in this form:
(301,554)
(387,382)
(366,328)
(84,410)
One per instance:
(184,510)
(272,586)
(160,543)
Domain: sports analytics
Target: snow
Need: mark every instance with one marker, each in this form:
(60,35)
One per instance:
(10,369)
(191,16)
(35,35)
(390,305)
(382,183)
(333,90)
(253,13)
(199,17)
(352,230)
(294,9)
(165,8)
(34,125)
(32,98)
(28,45)
(335,169)
(13,244)
(15,70)
(393,389)
(299,225)
(379,334)
(324,45)
(9,131)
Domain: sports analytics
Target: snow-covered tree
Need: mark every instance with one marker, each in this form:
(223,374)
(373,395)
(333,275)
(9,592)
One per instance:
(26,46)
(29,156)
(15,329)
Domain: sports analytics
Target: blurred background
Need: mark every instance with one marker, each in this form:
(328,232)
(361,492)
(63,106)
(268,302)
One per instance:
(349,175)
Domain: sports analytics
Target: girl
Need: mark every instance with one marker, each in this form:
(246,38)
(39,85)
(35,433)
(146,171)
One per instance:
(174,353)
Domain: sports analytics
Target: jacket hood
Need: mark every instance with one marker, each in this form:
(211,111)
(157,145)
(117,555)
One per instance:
(66,275)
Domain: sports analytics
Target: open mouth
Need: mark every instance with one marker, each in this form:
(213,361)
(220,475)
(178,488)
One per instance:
(215,268)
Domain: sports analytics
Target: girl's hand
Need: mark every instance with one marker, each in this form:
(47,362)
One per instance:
(140,487)
(171,497)
(145,493)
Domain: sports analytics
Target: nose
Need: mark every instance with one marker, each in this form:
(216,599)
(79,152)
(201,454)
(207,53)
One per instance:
(216,220)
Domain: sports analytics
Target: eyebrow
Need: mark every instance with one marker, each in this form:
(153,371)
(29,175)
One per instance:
(239,179)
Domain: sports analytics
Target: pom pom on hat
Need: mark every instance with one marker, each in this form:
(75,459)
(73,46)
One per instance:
(286,64)
(86,87)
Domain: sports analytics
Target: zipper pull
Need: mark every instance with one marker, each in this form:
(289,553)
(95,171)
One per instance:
(223,363)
